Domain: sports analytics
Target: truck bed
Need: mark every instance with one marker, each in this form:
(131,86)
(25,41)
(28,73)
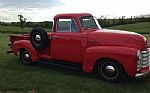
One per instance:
(15,37)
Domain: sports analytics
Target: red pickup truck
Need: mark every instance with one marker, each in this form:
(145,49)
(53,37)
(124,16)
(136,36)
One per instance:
(78,40)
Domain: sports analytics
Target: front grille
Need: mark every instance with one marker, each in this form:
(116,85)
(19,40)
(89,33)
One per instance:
(144,59)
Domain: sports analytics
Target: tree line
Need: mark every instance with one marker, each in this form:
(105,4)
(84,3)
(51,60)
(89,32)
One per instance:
(45,24)
(104,21)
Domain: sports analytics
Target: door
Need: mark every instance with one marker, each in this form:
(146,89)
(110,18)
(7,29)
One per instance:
(66,41)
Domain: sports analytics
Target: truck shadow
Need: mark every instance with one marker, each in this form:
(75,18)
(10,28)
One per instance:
(80,73)
(65,70)
(142,79)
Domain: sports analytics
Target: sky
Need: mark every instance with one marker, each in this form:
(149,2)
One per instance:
(44,10)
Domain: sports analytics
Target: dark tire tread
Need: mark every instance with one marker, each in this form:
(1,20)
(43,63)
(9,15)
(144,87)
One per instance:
(122,76)
(43,34)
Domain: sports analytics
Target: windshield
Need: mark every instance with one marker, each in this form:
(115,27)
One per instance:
(89,22)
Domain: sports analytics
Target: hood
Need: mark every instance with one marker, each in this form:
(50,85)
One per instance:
(107,37)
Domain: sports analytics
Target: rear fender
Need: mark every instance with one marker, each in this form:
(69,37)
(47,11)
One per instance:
(25,44)
(127,57)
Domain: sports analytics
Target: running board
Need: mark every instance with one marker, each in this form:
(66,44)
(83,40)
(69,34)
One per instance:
(69,65)
(9,51)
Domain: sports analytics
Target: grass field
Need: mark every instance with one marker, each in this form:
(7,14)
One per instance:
(15,77)
(138,27)
(16,30)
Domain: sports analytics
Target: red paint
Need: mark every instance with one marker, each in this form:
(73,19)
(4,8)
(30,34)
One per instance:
(86,47)
(25,44)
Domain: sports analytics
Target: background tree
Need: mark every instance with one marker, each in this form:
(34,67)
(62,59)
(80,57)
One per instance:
(0,23)
(22,21)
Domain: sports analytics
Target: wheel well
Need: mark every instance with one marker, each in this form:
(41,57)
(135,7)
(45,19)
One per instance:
(21,49)
(103,60)
(32,54)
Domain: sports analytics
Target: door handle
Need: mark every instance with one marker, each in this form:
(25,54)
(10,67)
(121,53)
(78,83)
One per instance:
(54,37)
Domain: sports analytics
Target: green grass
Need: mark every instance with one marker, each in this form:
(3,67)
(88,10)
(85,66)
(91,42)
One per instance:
(15,77)
(138,27)
(16,30)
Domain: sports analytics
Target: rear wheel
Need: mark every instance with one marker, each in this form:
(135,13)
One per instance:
(25,57)
(111,71)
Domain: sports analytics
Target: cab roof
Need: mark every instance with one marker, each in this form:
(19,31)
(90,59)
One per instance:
(71,15)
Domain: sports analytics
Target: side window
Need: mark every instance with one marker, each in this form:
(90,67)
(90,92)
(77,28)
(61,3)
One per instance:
(66,25)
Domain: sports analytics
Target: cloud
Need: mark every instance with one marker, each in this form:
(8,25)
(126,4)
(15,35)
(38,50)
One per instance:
(6,15)
(34,10)
(44,10)
(0,4)
(11,15)
(108,7)
(29,3)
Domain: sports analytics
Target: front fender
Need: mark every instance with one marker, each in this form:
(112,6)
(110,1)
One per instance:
(126,56)
(25,44)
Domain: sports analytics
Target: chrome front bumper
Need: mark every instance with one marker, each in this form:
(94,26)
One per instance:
(142,74)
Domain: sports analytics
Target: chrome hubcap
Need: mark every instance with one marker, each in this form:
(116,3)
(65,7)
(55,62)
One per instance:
(38,38)
(109,71)
(26,57)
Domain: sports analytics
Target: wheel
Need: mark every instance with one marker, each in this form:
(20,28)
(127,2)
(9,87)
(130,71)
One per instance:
(39,38)
(111,71)
(25,57)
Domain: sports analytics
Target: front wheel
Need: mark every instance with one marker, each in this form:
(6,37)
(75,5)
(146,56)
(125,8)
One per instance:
(25,57)
(110,71)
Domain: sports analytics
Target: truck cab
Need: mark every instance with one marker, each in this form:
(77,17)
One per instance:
(78,38)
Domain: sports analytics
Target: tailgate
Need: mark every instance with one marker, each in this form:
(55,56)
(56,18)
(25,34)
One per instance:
(14,38)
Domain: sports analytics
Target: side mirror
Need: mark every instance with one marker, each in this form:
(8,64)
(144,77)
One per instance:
(86,27)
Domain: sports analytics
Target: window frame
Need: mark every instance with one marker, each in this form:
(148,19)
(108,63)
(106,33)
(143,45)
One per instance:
(98,26)
(70,25)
